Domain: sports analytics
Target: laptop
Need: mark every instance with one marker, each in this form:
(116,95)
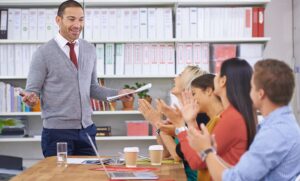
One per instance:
(115,175)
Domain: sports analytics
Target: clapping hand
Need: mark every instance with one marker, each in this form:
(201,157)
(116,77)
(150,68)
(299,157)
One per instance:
(174,114)
(200,140)
(190,107)
(149,113)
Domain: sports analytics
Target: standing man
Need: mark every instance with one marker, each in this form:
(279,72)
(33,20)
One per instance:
(63,75)
(274,153)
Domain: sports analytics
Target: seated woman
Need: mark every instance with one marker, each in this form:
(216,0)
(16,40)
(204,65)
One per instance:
(235,130)
(167,130)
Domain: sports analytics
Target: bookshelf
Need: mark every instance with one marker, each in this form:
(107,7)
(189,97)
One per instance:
(161,83)
(105,138)
(94,113)
(221,40)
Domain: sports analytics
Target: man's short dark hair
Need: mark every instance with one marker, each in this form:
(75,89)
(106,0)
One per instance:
(67,4)
(276,78)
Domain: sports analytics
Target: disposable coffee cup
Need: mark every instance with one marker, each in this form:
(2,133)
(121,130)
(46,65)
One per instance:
(156,154)
(131,154)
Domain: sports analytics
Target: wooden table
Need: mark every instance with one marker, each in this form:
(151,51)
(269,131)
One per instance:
(47,170)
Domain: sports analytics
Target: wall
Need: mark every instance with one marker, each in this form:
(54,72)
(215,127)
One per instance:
(279,26)
(296,9)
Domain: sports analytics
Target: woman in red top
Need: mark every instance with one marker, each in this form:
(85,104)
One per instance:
(235,130)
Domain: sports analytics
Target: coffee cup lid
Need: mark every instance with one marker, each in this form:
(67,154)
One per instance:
(156,147)
(131,149)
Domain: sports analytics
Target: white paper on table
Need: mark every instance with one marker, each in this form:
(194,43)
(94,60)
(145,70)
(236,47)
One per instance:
(79,160)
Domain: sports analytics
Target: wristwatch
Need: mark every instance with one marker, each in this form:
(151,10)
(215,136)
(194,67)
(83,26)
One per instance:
(204,153)
(180,129)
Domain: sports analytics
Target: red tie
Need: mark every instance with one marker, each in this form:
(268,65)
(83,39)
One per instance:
(73,54)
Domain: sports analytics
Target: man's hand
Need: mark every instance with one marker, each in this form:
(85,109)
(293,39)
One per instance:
(30,98)
(128,97)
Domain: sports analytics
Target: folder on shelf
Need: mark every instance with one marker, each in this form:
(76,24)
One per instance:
(135,24)
(100,59)
(88,24)
(194,23)
(143,23)
(167,23)
(3,23)
(104,24)
(128,65)
(120,51)
(112,26)
(261,21)
(96,23)
(109,59)
(151,23)
(137,59)
(33,23)
(41,24)
(25,24)
(145,87)
(145,58)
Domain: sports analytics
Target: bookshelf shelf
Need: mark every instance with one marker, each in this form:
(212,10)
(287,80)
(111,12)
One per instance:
(134,112)
(88,3)
(32,3)
(108,138)
(22,41)
(133,41)
(222,2)
(220,40)
(91,3)
(227,40)
(103,76)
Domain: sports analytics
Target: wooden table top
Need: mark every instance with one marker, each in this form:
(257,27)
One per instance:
(47,169)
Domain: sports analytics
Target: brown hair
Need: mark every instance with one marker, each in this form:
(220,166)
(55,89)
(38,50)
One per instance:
(67,4)
(204,81)
(276,78)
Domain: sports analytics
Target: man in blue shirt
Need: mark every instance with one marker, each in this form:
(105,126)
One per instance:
(275,152)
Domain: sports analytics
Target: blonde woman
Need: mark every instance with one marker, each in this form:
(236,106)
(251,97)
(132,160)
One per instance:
(165,128)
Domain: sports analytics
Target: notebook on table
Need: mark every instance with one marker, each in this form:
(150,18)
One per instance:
(115,175)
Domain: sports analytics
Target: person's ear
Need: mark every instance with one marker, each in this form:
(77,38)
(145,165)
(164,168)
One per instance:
(209,91)
(58,20)
(261,94)
(223,80)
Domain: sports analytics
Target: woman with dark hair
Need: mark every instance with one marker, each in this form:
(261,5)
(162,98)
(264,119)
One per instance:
(235,129)
(232,85)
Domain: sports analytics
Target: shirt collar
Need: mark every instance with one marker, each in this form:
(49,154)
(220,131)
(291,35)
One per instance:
(276,113)
(62,41)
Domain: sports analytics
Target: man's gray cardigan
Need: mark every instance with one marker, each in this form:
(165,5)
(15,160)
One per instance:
(65,92)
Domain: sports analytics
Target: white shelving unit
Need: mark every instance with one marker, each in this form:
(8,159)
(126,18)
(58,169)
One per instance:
(31,3)
(29,148)
(106,138)
(104,77)
(223,40)
(94,113)
(222,2)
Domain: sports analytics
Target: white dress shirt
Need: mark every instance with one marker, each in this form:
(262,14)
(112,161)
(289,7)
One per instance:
(62,43)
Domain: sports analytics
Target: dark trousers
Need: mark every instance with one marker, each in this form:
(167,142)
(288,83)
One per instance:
(78,143)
